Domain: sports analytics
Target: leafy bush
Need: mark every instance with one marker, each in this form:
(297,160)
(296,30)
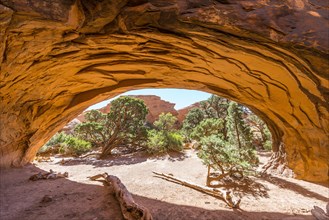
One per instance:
(74,146)
(207,127)
(268,145)
(192,119)
(58,138)
(175,141)
(164,137)
(65,144)
(53,145)
(215,150)
(156,142)
(161,142)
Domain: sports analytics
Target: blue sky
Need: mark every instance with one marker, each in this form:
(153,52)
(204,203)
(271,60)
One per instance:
(182,97)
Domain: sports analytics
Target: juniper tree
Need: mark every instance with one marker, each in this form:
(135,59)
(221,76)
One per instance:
(261,133)
(239,132)
(225,137)
(192,120)
(216,107)
(122,126)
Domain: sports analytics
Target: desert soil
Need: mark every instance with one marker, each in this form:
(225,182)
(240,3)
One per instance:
(269,197)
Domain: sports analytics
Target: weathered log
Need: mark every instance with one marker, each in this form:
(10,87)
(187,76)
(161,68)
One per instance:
(90,154)
(225,195)
(49,175)
(319,213)
(129,208)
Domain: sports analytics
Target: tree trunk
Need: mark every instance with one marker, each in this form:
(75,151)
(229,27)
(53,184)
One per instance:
(211,178)
(107,149)
(237,133)
(278,163)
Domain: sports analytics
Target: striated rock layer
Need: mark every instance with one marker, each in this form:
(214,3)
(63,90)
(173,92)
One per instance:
(58,57)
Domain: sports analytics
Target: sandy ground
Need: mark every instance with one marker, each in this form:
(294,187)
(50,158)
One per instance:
(270,197)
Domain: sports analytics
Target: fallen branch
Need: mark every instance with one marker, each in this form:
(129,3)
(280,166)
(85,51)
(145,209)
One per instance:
(43,159)
(129,208)
(319,213)
(90,154)
(217,193)
(49,175)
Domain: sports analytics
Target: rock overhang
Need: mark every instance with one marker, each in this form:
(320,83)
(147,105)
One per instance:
(59,57)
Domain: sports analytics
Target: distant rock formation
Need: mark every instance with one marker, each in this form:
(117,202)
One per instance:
(154,103)
(69,128)
(156,106)
(184,111)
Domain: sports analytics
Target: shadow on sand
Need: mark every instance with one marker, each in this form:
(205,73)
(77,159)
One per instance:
(24,199)
(246,186)
(284,184)
(123,159)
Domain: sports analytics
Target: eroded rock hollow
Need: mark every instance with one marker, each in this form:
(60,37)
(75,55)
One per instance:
(60,56)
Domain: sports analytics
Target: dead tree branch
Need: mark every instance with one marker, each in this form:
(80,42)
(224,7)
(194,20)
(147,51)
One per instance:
(319,213)
(129,208)
(225,195)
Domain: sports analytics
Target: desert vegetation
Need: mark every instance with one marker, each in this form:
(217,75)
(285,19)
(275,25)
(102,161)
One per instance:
(226,137)
(122,126)
(225,134)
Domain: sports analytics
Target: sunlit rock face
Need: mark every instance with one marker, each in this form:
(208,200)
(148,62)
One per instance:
(155,106)
(182,113)
(58,57)
(69,127)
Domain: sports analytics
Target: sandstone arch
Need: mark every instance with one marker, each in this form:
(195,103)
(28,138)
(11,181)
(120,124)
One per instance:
(58,57)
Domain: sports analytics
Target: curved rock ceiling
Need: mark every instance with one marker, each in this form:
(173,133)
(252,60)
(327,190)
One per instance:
(60,56)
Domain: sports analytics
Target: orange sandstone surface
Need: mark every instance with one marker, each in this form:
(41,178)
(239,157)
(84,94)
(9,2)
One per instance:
(59,57)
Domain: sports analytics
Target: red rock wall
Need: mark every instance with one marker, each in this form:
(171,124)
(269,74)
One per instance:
(184,111)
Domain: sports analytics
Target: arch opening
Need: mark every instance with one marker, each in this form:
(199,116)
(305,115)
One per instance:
(194,116)
(54,67)
(130,168)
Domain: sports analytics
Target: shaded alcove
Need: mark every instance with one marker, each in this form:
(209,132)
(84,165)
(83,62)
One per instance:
(55,63)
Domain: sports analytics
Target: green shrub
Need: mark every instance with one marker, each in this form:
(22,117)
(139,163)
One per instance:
(155,142)
(122,126)
(175,141)
(268,145)
(215,150)
(160,142)
(164,137)
(207,127)
(58,138)
(53,145)
(75,146)
(61,143)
